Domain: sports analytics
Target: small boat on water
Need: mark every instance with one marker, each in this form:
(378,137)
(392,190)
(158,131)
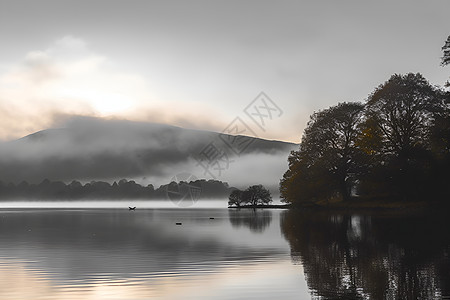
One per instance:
(131,208)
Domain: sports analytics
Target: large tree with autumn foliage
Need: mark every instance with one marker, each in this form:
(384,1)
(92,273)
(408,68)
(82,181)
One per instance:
(400,116)
(394,145)
(326,162)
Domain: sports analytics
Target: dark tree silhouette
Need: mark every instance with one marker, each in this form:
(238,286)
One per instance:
(253,195)
(257,194)
(328,155)
(403,109)
(446,52)
(396,145)
(100,190)
(235,198)
(400,116)
(446,56)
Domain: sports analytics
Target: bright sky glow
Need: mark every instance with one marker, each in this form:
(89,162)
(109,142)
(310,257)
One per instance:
(198,64)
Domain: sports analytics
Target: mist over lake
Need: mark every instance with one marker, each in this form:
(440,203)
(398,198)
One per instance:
(219,150)
(87,149)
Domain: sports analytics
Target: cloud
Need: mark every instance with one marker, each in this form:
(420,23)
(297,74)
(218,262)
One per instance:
(69,79)
(30,91)
(68,45)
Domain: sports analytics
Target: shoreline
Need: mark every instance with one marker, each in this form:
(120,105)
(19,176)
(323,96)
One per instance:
(355,206)
(278,206)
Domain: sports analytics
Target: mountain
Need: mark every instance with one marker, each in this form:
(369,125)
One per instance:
(95,149)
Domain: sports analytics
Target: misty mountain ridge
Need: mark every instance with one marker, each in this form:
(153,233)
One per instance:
(96,149)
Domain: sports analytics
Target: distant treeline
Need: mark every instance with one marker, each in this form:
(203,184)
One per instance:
(395,146)
(123,189)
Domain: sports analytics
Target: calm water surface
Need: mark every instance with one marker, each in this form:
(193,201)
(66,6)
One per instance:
(91,253)
(142,254)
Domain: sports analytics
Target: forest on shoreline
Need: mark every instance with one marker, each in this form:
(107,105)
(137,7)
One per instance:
(395,147)
(123,189)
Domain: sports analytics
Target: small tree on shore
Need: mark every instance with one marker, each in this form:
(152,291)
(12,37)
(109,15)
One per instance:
(235,198)
(253,195)
(257,194)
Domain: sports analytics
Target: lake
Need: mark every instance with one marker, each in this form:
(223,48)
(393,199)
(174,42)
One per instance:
(219,253)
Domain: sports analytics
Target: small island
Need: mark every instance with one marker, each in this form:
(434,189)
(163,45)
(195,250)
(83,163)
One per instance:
(255,196)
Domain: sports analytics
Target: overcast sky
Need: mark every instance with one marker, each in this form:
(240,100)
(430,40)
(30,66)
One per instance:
(198,64)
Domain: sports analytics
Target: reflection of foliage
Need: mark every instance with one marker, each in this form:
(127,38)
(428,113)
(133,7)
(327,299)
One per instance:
(257,220)
(362,257)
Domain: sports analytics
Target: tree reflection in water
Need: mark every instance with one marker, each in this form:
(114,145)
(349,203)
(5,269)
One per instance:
(371,256)
(257,220)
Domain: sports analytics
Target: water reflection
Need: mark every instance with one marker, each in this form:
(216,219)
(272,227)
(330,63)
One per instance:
(142,254)
(257,220)
(129,238)
(371,257)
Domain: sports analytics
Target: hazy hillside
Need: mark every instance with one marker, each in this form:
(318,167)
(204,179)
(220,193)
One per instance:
(93,149)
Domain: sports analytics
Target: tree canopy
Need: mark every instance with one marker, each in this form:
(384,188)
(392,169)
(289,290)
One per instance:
(445,59)
(122,189)
(446,52)
(328,154)
(396,144)
(403,109)
(254,195)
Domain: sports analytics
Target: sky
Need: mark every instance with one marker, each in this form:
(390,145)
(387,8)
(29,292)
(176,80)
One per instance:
(199,64)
